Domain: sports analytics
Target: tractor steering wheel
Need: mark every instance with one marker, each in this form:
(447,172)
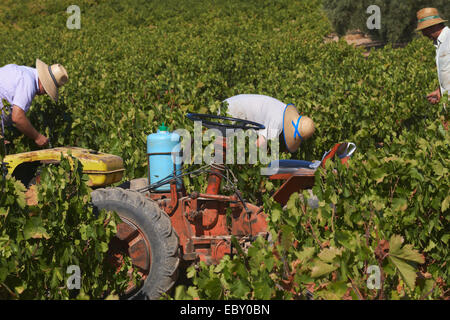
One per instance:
(237,123)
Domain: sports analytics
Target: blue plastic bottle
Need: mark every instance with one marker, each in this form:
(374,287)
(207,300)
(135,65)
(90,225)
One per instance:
(162,165)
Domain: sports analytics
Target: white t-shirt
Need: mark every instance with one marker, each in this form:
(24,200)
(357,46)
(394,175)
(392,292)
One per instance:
(443,59)
(262,109)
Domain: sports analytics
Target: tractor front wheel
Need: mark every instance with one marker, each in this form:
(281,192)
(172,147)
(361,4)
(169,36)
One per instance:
(146,236)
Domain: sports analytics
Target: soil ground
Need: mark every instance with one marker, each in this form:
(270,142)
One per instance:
(358,38)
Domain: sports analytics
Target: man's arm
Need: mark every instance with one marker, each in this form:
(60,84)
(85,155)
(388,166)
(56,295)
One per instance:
(24,125)
(261,142)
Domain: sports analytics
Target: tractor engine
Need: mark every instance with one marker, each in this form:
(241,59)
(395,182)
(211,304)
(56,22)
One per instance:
(204,222)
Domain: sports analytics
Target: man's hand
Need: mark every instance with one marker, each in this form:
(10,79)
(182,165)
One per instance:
(261,142)
(41,140)
(434,97)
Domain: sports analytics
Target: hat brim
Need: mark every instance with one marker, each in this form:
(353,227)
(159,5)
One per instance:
(46,80)
(429,23)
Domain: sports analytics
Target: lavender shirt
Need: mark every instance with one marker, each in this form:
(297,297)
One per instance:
(18,85)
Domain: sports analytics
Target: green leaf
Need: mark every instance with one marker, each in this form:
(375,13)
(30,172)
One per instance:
(408,272)
(240,289)
(34,229)
(328,254)
(263,291)
(275,215)
(56,278)
(20,289)
(395,243)
(287,236)
(379,174)
(181,294)
(214,288)
(320,269)
(399,204)
(3,273)
(104,246)
(306,254)
(405,253)
(191,272)
(445,204)
(4,211)
(402,259)
(439,169)
(335,291)
(408,253)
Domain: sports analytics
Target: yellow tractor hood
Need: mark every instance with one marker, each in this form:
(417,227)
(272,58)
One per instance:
(102,168)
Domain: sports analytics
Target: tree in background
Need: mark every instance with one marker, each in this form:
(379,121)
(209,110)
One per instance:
(398,17)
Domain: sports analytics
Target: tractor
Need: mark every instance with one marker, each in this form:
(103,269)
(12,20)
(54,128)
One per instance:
(163,227)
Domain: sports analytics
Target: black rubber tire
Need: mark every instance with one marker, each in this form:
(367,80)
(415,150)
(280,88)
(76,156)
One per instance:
(156,226)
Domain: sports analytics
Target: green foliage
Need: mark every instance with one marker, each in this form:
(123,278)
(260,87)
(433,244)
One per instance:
(398,18)
(362,210)
(39,243)
(135,64)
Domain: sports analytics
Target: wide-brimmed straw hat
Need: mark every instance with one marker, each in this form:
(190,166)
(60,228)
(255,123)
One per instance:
(428,17)
(296,128)
(52,77)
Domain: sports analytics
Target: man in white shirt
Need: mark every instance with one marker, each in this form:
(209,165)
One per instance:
(18,87)
(277,117)
(432,26)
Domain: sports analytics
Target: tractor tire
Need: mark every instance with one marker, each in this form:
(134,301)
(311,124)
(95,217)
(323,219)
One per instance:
(149,238)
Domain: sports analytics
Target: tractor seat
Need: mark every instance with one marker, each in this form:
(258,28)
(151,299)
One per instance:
(289,166)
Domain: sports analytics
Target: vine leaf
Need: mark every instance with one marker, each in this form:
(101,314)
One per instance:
(328,255)
(399,204)
(34,229)
(403,259)
(321,268)
(445,204)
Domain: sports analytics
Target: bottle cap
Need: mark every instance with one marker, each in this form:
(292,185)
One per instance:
(163,127)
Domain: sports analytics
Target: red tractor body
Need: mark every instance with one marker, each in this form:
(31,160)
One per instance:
(206,221)
(162,229)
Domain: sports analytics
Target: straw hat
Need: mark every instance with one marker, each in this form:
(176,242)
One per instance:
(428,17)
(296,128)
(52,77)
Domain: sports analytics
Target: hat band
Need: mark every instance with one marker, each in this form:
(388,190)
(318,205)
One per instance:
(296,132)
(429,18)
(53,77)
